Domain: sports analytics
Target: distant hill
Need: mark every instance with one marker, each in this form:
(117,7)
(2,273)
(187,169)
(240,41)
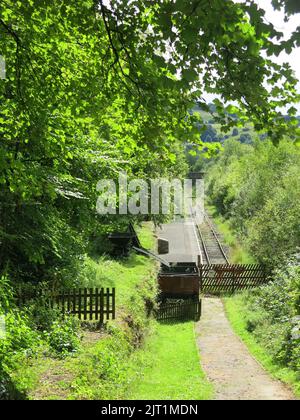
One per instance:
(213,132)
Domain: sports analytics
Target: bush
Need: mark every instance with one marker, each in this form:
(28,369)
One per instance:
(295,344)
(6,294)
(272,316)
(44,317)
(259,193)
(254,320)
(103,369)
(63,336)
(19,339)
(22,339)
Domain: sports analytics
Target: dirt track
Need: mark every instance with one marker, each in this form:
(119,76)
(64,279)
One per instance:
(227,362)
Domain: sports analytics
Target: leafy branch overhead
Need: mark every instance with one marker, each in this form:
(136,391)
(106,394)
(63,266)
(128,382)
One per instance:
(199,47)
(94,87)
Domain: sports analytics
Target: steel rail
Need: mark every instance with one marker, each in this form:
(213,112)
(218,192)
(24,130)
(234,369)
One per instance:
(201,239)
(207,219)
(203,244)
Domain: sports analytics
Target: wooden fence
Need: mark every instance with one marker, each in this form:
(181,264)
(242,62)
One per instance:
(226,278)
(87,304)
(189,310)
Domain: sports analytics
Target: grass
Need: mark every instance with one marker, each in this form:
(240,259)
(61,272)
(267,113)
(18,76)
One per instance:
(167,367)
(237,315)
(238,254)
(78,376)
(125,274)
(171,366)
(134,358)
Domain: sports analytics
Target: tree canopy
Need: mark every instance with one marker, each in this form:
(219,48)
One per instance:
(96,87)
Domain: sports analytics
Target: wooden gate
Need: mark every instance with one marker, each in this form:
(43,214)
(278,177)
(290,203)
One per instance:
(229,278)
(172,311)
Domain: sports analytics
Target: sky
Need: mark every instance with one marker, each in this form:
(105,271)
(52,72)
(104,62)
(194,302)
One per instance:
(277,19)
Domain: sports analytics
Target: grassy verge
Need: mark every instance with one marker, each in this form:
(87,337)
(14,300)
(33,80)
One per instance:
(171,368)
(134,357)
(238,315)
(238,253)
(99,369)
(125,274)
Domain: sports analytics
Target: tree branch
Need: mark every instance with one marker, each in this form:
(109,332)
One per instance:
(114,49)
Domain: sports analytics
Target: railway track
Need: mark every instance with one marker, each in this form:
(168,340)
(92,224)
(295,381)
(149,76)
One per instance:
(211,247)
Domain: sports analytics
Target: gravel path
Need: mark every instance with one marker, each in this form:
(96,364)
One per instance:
(227,362)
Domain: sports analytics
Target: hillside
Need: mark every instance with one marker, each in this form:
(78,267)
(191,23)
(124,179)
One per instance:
(213,133)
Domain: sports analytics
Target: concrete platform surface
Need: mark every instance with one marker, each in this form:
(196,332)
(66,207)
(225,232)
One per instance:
(183,241)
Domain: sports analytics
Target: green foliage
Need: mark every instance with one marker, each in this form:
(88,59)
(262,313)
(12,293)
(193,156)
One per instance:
(6,294)
(101,371)
(168,366)
(291,6)
(63,336)
(41,316)
(269,317)
(19,339)
(93,368)
(26,333)
(272,317)
(259,193)
(69,116)
(91,90)
(245,320)
(238,254)
(19,334)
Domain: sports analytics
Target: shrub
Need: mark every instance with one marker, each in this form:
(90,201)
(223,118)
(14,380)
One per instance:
(19,338)
(259,192)
(63,336)
(272,316)
(6,294)
(295,344)
(44,317)
(103,370)
(254,320)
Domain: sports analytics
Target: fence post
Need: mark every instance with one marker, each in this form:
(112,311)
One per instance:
(201,278)
(74,302)
(85,304)
(79,304)
(69,302)
(107,304)
(97,303)
(114,303)
(91,303)
(233,281)
(199,260)
(63,303)
(102,306)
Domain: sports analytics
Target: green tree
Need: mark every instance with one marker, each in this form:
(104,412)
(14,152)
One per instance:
(259,193)
(94,88)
